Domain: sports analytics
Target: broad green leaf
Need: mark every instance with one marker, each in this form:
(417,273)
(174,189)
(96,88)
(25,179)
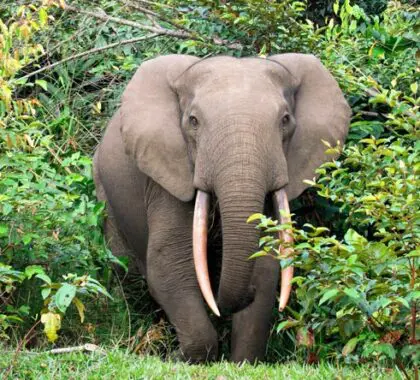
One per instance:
(4,229)
(352,293)
(33,269)
(415,253)
(45,292)
(402,301)
(377,52)
(353,238)
(386,349)
(64,296)
(27,238)
(42,83)
(44,277)
(328,295)
(352,259)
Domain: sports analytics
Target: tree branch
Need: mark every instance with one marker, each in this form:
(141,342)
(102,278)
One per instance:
(156,15)
(88,52)
(182,34)
(103,16)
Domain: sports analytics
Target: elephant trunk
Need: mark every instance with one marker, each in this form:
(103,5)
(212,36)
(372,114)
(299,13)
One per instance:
(240,183)
(240,240)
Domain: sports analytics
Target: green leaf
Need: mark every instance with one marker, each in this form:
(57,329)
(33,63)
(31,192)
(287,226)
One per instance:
(4,229)
(27,238)
(45,292)
(415,253)
(387,349)
(42,83)
(413,296)
(64,296)
(350,346)
(352,259)
(43,16)
(402,301)
(287,325)
(257,254)
(328,295)
(254,217)
(33,269)
(44,277)
(353,238)
(266,239)
(352,293)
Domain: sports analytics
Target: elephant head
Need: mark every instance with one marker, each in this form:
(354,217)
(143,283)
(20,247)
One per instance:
(240,129)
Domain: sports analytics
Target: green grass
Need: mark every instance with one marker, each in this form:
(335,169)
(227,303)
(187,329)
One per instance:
(119,365)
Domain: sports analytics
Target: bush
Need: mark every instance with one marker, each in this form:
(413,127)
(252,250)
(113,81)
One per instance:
(50,220)
(357,294)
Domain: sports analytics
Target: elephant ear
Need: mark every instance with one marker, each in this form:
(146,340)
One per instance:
(321,113)
(150,124)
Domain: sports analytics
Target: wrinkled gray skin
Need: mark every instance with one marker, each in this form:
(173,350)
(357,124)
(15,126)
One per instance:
(259,128)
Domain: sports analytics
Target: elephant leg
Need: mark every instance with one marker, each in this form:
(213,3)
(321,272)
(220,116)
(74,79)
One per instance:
(251,326)
(114,238)
(171,276)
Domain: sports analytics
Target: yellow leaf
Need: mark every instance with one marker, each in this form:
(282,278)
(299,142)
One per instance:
(80,308)
(52,323)
(29,140)
(326,143)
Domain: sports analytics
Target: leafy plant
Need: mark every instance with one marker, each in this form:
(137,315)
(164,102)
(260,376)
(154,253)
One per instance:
(59,296)
(357,295)
(49,219)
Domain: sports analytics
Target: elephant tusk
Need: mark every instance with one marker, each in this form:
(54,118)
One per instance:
(200,248)
(281,203)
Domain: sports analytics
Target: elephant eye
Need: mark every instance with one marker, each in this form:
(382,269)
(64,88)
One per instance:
(286,119)
(193,121)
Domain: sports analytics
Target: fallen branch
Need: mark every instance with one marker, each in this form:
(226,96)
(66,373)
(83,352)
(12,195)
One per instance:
(88,347)
(87,52)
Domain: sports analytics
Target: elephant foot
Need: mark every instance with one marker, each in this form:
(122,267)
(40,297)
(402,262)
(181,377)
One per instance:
(199,348)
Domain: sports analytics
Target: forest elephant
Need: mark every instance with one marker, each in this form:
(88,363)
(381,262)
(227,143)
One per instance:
(196,135)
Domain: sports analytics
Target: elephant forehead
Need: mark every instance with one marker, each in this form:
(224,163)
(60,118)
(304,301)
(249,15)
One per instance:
(237,74)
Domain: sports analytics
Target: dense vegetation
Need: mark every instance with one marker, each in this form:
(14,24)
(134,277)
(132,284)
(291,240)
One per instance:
(62,69)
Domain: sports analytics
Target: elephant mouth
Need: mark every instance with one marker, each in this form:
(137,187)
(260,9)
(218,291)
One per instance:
(200,231)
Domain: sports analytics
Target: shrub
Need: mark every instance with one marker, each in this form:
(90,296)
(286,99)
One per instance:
(357,294)
(49,220)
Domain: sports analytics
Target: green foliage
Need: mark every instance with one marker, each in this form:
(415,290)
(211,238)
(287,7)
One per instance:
(357,297)
(48,214)
(357,284)
(321,11)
